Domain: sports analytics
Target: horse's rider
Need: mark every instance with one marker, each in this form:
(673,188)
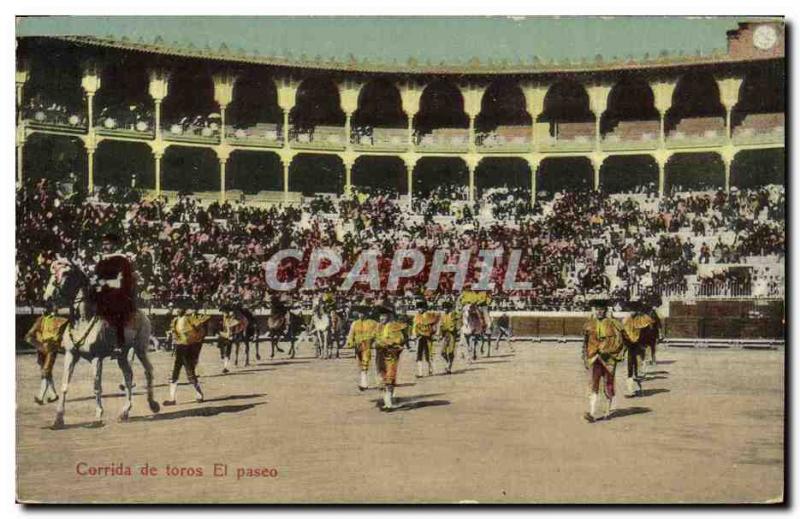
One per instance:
(390,340)
(189,330)
(233,323)
(503,326)
(448,331)
(360,337)
(603,347)
(650,307)
(45,335)
(116,285)
(423,329)
(632,327)
(278,313)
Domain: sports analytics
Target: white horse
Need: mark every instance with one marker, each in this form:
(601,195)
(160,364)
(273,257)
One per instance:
(89,337)
(321,329)
(474,324)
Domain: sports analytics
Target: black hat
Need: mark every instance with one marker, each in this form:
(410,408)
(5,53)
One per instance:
(422,304)
(384,307)
(599,303)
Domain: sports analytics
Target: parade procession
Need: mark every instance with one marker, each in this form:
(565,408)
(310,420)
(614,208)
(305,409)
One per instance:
(410,269)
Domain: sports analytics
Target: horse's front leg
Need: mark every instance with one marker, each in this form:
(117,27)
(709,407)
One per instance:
(246,352)
(141,354)
(97,370)
(257,339)
(70,359)
(127,375)
(236,355)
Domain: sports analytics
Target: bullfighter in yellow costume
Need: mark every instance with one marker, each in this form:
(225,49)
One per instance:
(188,329)
(45,335)
(423,329)
(448,331)
(390,340)
(360,337)
(603,347)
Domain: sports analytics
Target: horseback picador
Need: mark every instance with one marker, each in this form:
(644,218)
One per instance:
(423,329)
(234,325)
(116,286)
(361,337)
(189,329)
(45,335)
(390,340)
(603,347)
(448,331)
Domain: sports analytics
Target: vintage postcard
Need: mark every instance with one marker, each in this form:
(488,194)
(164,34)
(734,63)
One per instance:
(374,260)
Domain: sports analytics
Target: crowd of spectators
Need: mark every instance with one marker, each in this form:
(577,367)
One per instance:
(46,112)
(573,245)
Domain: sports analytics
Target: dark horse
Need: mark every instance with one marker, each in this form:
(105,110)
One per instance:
(243,333)
(282,324)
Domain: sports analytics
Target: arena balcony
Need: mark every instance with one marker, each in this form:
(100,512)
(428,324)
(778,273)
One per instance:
(505,139)
(56,118)
(376,139)
(585,111)
(261,135)
(198,130)
(330,138)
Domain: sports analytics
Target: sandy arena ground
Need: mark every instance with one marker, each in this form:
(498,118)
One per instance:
(507,429)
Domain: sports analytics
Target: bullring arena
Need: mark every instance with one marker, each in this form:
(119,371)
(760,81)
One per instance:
(655,179)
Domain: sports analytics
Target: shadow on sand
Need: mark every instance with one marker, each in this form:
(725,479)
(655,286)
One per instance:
(419,405)
(629,411)
(97,424)
(656,391)
(196,411)
(234,397)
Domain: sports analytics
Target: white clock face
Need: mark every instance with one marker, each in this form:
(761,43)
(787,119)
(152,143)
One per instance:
(765,37)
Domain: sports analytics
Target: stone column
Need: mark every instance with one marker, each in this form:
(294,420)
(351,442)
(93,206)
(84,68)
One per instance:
(348,160)
(534,160)
(21,79)
(473,94)
(410,160)
(90,149)
(20,154)
(727,154)
(598,101)
(729,96)
(348,101)
(410,94)
(90,82)
(158,89)
(662,99)
(223,95)
(158,153)
(534,101)
(472,160)
(286,161)
(662,157)
(223,156)
(287,96)
(597,159)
